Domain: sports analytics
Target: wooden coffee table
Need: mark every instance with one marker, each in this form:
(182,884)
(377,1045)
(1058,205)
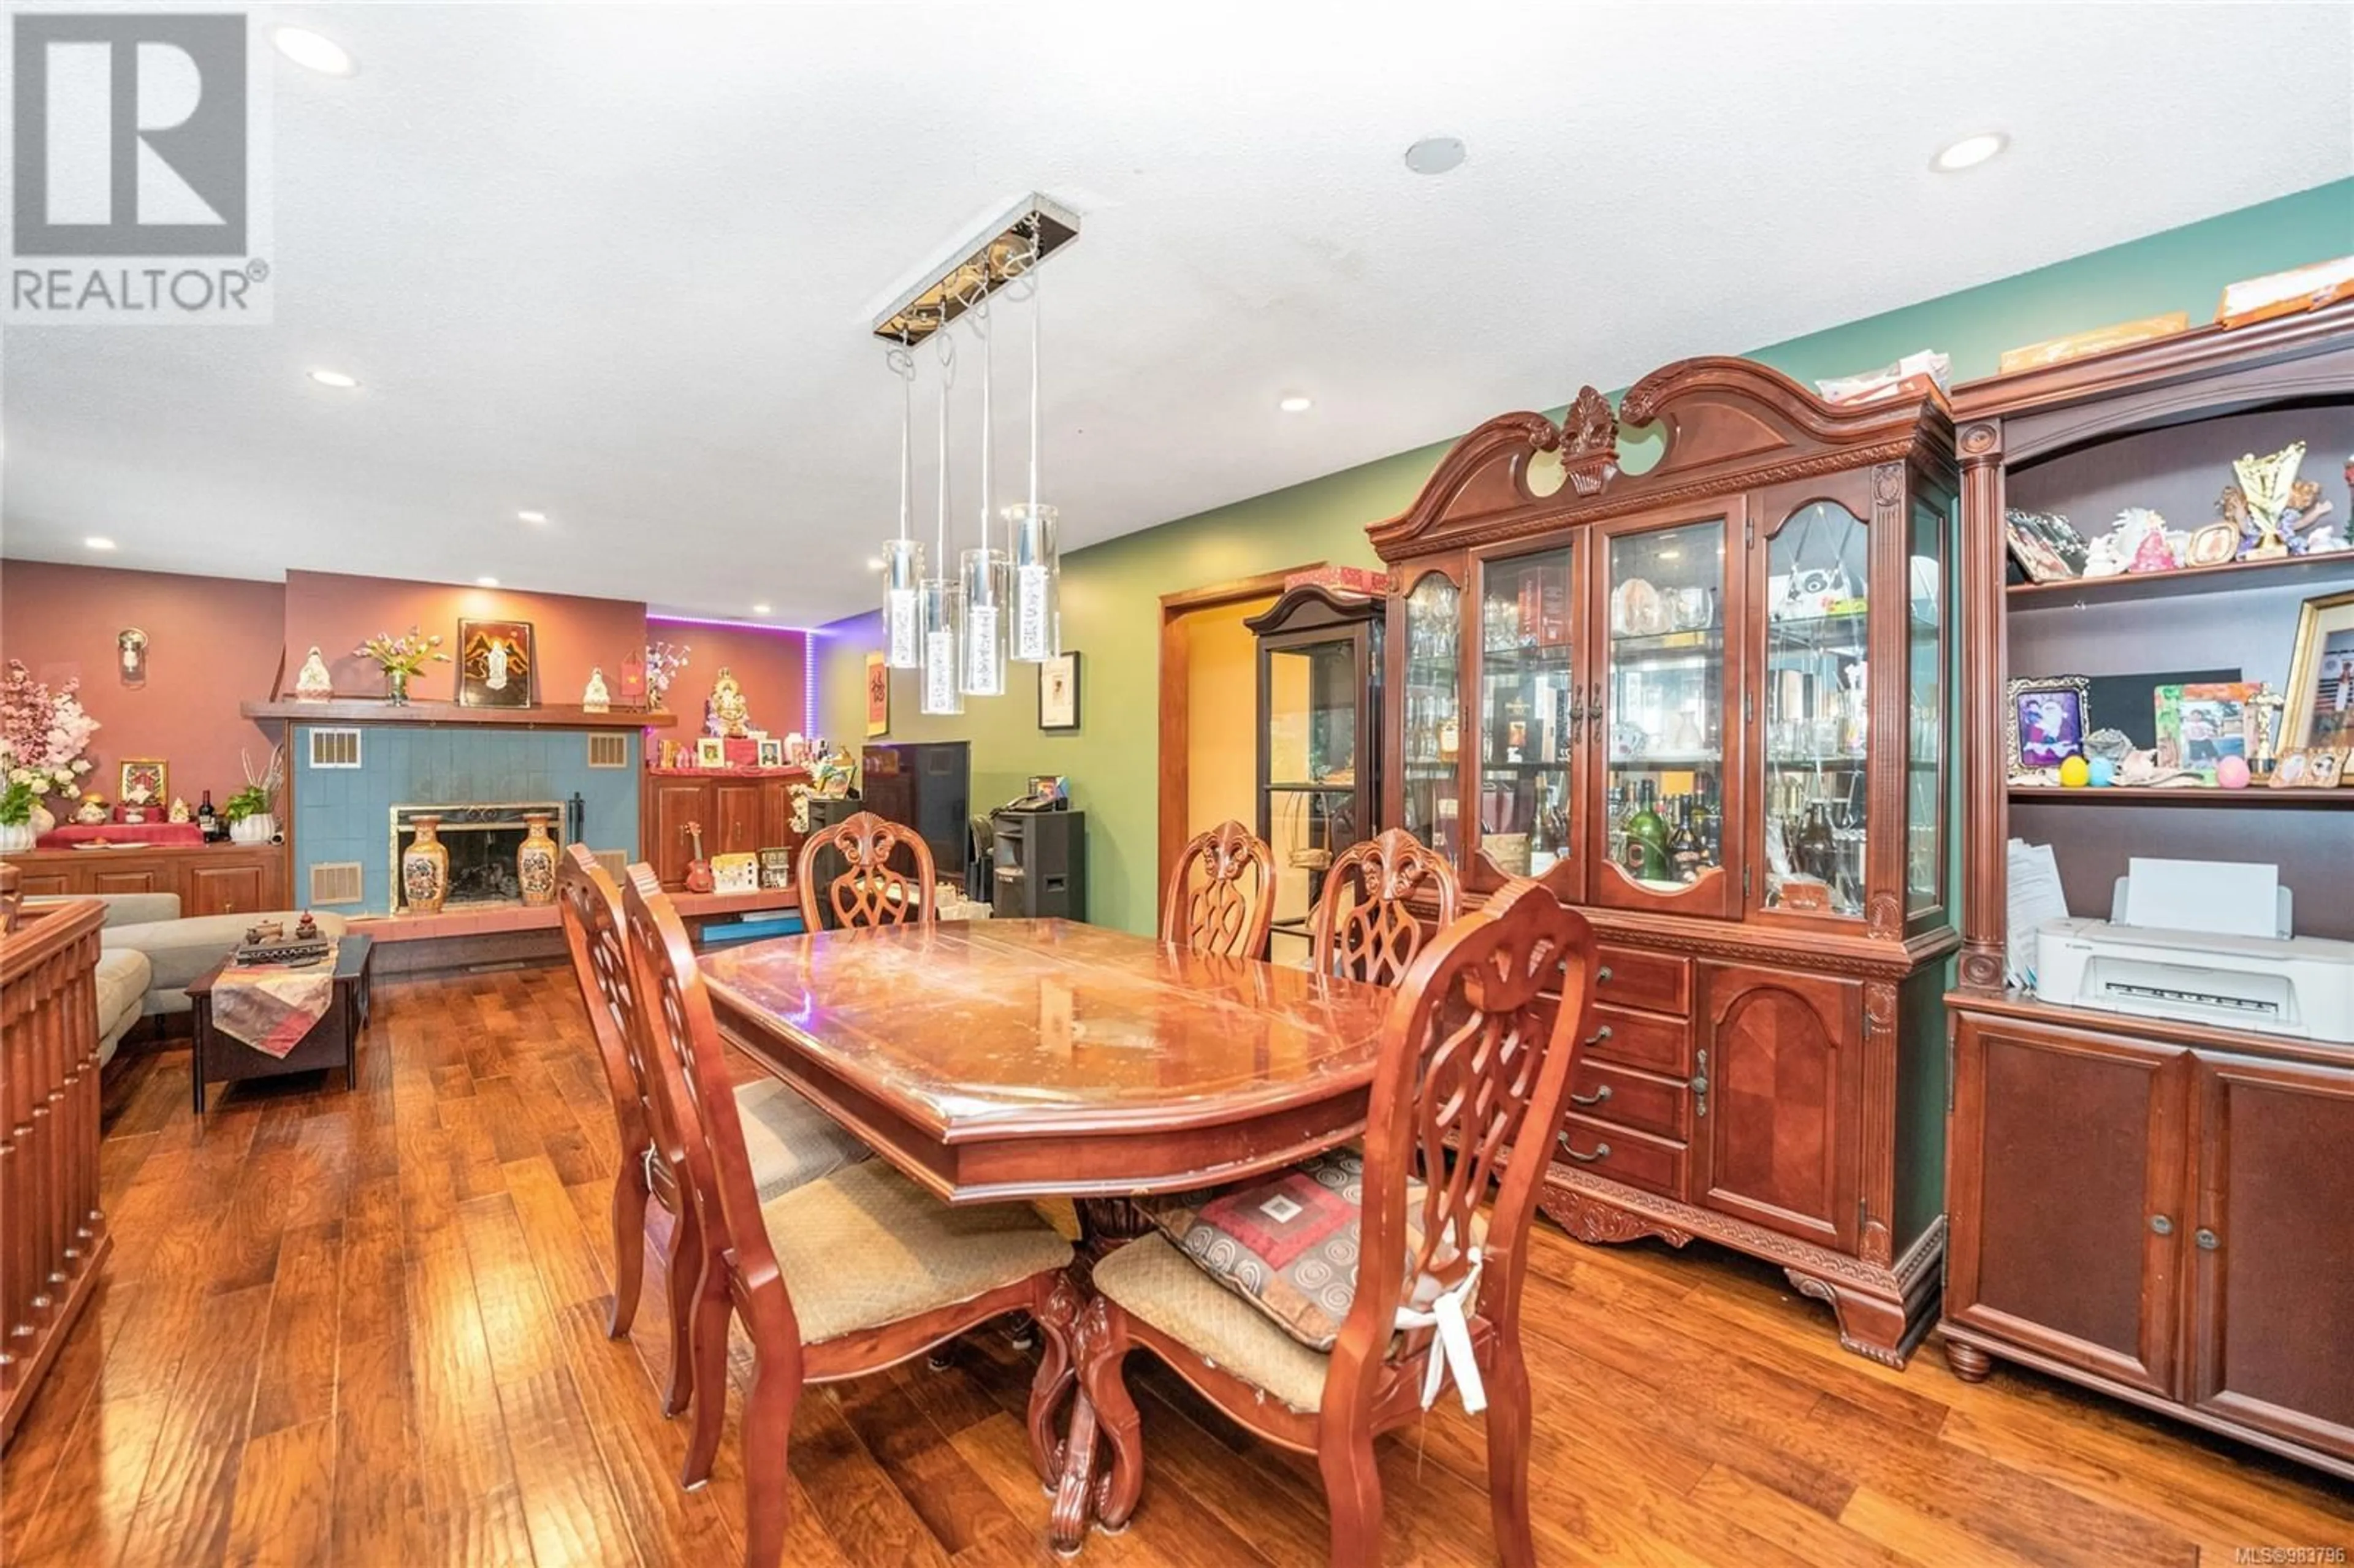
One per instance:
(334,1041)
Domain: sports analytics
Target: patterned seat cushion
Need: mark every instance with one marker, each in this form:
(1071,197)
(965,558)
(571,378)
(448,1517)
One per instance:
(1155,1282)
(865,1246)
(1287,1243)
(791,1141)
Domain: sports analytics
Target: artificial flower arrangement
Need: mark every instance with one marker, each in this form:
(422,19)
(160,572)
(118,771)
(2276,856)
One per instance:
(401,657)
(43,735)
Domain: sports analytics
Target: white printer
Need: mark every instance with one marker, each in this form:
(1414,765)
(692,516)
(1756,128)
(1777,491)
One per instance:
(2230,977)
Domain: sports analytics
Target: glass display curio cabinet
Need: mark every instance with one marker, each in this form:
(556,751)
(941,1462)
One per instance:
(1697,686)
(1319,754)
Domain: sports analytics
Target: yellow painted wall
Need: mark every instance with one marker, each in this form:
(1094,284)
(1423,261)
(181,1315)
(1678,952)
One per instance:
(1221,716)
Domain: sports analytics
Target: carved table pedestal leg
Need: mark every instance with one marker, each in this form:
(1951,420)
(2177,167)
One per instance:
(1105,1224)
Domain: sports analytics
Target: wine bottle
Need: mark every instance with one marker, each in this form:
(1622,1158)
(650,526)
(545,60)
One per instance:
(1646,837)
(208,824)
(1817,850)
(1683,844)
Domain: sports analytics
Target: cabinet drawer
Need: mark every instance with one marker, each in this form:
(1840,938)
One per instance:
(1631,977)
(45,884)
(1654,1164)
(124,882)
(1643,1039)
(1605,1092)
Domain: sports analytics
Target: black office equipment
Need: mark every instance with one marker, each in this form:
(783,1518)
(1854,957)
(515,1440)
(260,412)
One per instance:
(1040,864)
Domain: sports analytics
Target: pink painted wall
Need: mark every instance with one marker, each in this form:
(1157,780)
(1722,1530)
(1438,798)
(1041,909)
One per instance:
(770,664)
(570,634)
(213,642)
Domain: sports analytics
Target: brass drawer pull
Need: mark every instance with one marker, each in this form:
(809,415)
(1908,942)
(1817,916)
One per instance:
(1602,975)
(2207,1240)
(2161,1225)
(1599,1035)
(1601,1152)
(1596,1098)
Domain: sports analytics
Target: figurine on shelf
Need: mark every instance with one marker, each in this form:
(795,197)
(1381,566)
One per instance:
(2101,558)
(93,810)
(311,683)
(2263,731)
(2305,522)
(698,870)
(727,714)
(179,811)
(596,699)
(2266,482)
(2141,541)
(306,930)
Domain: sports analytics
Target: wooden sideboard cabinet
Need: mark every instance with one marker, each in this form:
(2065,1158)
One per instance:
(1750,641)
(739,809)
(2159,1211)
(210,879)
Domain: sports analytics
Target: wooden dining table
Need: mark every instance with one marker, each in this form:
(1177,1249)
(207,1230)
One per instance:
(1005,1060)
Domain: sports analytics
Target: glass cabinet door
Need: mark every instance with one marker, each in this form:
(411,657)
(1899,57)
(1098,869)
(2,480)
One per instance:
(1432,714)
(1924,657)
(1663,710)
(1313,809)
(1816,730)
(1528,693)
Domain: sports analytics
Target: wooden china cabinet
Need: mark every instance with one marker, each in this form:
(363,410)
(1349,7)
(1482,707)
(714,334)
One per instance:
(2157,1208)
(1707,702)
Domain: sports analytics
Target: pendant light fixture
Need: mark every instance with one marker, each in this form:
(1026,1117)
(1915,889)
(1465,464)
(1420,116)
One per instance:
(942,597)
(903,557)
(1035,568)
(982,569)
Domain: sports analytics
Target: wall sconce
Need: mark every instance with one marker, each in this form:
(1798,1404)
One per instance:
(131,646)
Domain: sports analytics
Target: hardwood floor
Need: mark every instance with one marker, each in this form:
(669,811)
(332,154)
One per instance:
(368,1328)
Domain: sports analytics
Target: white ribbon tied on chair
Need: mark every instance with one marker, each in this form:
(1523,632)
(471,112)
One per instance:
(1452,1352)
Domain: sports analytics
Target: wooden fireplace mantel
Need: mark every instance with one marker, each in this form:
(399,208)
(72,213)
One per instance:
(365,710)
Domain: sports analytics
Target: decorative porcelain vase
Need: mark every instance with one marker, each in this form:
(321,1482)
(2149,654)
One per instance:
(17,837)
(425,868)
(397,687)
(256,829)
(536,862)
(43,819)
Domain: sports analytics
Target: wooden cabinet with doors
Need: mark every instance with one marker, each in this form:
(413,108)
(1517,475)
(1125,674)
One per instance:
(2155,1206)
(210,879)
(1708,702)
(2158,1212)
(739,810)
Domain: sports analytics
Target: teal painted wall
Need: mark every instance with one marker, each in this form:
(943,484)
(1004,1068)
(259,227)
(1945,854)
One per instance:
(1111,591)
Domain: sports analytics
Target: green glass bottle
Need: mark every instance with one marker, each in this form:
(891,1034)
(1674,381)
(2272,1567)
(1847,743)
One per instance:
(1646,836)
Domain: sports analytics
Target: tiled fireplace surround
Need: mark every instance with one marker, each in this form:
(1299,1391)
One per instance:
(344,814)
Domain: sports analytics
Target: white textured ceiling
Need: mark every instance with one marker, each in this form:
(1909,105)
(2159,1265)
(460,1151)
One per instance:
(618,264)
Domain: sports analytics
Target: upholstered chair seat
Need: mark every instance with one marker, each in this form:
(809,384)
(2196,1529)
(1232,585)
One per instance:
(865,1246)
(1155,1282)
(791,1142)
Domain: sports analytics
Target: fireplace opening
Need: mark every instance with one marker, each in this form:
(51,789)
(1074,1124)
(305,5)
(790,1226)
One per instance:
(482,840)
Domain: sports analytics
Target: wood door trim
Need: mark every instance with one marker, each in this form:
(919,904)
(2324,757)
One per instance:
(1175,731)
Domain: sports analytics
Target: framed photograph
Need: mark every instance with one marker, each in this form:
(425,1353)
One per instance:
(2050,716)
(2320,676)
(497,666)
(2045,545)
(776,868)
(710,751)
(2293,770)
(772,752)
(144,783)
(2205,722)
(2326,766)
(878,695)
(1059,692)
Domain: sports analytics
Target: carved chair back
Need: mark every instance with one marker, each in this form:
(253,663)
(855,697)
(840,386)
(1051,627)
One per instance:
(683,1038)
(872,891)
(1364,928)
(592,908)
(1221,898)
(1471,1054)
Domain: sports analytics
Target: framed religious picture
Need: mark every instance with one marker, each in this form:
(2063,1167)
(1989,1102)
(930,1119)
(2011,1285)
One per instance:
(144,783)
(1058,691)
(2050,716)
(771,752)
(710,751)
(2321,676)
(497,667)
(878,695)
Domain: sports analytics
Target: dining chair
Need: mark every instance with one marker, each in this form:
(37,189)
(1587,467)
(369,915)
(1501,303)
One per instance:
(1228,912)
(872,891)
(1365,927)
(844,1275)
(790,1141)
(1323,1358)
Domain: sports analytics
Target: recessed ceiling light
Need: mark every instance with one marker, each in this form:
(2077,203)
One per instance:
(486,582)
(334,378)
(1295,403)
(305,47)
(95,543)
(759,609)
(1436,154)
(1969,153)
(531,517)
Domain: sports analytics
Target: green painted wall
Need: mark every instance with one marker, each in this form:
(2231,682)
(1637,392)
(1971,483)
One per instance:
(1111,591)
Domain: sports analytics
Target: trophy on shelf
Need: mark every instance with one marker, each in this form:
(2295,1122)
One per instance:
(2264,725)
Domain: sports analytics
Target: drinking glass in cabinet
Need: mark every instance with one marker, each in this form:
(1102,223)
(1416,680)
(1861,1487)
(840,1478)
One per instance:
(1817,721)
(1528,694)
(1664,712)
(1432,714)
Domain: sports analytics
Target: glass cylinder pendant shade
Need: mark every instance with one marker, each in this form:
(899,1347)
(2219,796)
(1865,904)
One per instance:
(982,578)
(1036,632)
(942,602)
(903,610)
